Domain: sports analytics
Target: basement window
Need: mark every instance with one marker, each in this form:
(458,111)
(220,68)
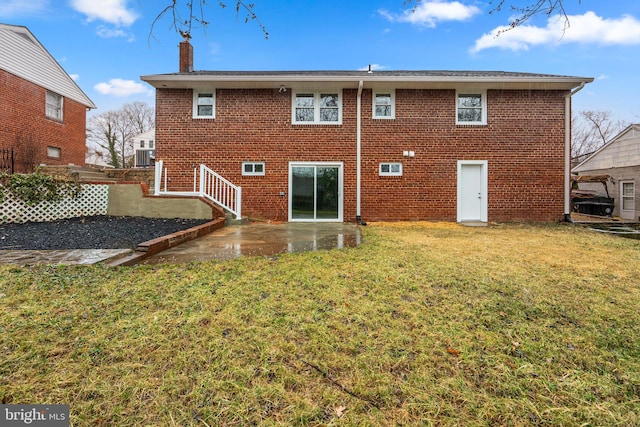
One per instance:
(253,168)
(390,169)
(54,152)
(204,105)
(54,106)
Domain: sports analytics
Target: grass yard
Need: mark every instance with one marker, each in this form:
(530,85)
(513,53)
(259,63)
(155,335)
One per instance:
(424,324)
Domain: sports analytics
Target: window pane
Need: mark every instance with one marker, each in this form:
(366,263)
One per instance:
(205,99)
(383,111)
(627,189)
(258,168)
(205,110)
(470,115)
(329,100)
(304,100)
(395,168)
(304,114)
(627,203)
(384,99)
(248,167)
(470,101)
(328,114)
(384,168)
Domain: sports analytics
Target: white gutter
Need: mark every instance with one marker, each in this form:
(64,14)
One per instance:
(358,149)
(567,152)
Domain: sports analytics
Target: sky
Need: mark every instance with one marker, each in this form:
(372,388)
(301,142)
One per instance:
(106,45)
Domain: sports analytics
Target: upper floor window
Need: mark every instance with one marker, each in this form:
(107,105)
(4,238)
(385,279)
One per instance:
(204,105)
(151,143)
(54,106)
(317,107)
(142,143)
(384,105)
(471,108)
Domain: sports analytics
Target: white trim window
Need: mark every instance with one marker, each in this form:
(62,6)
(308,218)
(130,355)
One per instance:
(253,168)
(390,169)
(204,104)
(54,106)
(471,108)
(317,108)
(384,105)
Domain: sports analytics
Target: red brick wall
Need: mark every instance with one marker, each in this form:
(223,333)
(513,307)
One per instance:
(523,144)
(24,126)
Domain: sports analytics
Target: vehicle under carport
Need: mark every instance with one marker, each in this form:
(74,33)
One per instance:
(590,195)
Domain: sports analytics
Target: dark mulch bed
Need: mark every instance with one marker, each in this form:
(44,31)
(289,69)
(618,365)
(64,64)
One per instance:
(96,232)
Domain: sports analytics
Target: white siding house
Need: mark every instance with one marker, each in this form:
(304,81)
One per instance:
(145,149)
(620,159)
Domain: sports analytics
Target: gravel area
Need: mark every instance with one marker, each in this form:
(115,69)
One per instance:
(96,232)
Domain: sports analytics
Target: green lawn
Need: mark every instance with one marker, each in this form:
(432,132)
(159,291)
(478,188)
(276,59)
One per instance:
(426,323)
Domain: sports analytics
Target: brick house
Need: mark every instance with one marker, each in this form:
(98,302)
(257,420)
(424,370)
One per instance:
(42,110)
(371,145)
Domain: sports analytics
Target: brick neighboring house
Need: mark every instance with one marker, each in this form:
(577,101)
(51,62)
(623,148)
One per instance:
(42,110)
(372,145)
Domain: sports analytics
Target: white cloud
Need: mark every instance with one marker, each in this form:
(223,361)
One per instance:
(429,13)
(109,33)
(111,11)
(12,8)
(122,88)
(74,77)
(602,77)
(584,29)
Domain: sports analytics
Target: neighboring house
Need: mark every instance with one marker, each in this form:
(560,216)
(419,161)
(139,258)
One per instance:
(471,146)
(42,110)
(620,159)
(144,149)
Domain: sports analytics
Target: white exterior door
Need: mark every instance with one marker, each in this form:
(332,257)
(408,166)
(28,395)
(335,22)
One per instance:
(627,200)
(472,191)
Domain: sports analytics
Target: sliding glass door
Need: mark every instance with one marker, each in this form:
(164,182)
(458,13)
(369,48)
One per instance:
(315,192)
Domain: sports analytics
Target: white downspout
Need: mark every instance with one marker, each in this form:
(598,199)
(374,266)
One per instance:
(358,149)
(567,152)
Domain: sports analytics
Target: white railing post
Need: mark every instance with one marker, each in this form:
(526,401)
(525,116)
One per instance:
(157,178)
(239,203)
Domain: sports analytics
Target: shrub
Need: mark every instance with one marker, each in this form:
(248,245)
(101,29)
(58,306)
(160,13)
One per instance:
(36,187)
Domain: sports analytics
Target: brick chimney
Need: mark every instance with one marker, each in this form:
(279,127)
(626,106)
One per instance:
(186,56)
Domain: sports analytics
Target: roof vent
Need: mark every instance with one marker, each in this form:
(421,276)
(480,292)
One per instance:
(370,70)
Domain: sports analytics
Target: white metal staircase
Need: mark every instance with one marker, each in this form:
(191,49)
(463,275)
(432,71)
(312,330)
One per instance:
(207,184)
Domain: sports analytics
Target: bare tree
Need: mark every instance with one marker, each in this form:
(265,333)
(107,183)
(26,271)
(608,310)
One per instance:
(28,151)
(186,15)
(591,130)
(112,133)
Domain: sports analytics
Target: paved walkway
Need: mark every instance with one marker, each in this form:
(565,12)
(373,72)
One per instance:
(226,243)
(75,256)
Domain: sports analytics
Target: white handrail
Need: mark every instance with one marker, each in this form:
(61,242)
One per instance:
(212,186)
(220,191)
